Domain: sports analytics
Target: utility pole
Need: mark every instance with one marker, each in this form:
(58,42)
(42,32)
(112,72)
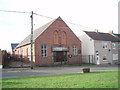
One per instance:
(31,39)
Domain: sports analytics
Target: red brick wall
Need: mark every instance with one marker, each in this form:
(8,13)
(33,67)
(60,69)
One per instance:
(44,61)
(47,38)
(18,53)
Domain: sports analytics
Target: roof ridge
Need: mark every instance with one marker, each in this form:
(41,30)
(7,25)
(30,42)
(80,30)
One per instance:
(101,36)
(36,33)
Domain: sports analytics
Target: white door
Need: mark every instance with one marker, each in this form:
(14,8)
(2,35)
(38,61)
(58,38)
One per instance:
(98,60)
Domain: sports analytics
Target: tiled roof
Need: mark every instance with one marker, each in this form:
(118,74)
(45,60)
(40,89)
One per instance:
(101,36)
(36,33)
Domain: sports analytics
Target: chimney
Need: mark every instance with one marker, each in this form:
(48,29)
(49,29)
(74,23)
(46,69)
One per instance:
(96,30)
(110,31)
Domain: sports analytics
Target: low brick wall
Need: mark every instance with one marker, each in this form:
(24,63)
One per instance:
(45,61)
(19,64)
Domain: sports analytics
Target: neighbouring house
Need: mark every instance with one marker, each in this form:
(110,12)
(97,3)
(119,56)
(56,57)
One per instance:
(13,46)
(99,48)
(118,36)
(53,43)
(13,56)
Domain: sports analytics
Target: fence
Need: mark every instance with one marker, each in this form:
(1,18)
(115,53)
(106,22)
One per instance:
(88,59)
(4,58)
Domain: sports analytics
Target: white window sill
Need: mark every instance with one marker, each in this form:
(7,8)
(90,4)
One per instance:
(105,60)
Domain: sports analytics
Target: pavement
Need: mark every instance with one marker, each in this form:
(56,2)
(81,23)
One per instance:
(43,71)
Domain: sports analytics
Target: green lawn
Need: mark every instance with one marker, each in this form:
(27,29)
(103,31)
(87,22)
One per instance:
(103,79)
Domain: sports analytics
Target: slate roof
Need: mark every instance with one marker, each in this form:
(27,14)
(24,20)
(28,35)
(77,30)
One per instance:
(101,36)
(36,33)
(13,45)
(118,35)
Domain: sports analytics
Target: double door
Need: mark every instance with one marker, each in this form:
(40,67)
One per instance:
(60,56)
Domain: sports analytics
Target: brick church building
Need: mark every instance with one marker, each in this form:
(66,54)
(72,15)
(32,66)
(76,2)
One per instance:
(53,43)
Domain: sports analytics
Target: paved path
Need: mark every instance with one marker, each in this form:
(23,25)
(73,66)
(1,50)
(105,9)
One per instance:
(42,71)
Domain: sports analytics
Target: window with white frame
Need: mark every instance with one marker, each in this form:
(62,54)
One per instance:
(113,45)
(43,50)
(115,56)
(74,50)
(104,45)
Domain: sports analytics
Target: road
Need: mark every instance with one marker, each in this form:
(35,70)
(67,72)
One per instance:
(42,71)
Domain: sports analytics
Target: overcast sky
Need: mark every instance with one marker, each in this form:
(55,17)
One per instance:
(94,14)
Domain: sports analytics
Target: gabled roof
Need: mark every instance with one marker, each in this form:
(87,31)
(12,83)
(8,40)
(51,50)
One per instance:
(36,33)
(101,36)
(13,45)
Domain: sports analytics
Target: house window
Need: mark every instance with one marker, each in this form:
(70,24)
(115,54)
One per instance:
(104,45)
(29,53)
(115,56)
(74,50)
(105,57)
(113,45)
(18,54)
(43,50)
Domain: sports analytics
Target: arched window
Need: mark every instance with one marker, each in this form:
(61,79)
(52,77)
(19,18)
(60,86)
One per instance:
(56,37)
(64,38)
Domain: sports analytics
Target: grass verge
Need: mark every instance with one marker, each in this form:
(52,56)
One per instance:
(101,79)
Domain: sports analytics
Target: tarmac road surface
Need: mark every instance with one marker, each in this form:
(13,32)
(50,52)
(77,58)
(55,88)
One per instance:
(43,71)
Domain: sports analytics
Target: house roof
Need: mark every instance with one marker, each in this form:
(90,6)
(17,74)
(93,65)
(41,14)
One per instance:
(13,45)
(36,33)
(118,35)
(101,36)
